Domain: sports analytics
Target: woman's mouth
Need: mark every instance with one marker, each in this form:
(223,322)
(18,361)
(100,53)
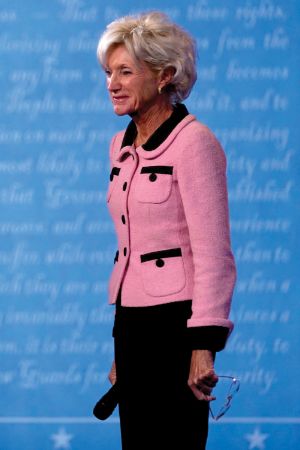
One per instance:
(119,99)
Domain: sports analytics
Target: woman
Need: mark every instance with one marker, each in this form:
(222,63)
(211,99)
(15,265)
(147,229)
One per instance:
(174,271)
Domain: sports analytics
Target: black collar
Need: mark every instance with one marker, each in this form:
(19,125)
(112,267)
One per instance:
(156,139)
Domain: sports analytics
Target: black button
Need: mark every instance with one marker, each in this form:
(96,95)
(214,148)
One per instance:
(160,263)
(123,219)
(124,186)
(152,177)
(125,251)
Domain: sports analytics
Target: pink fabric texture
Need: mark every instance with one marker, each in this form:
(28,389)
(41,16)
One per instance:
(170,210)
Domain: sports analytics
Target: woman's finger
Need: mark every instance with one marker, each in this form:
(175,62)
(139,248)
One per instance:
(210,379)
(201,395)
(207,382)
(205,389)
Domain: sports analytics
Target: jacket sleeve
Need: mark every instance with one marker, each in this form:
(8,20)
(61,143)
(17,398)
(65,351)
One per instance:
(202,183)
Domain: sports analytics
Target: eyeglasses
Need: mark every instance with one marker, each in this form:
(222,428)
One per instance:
(230,386)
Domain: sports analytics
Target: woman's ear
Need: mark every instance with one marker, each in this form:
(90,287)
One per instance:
(166,77)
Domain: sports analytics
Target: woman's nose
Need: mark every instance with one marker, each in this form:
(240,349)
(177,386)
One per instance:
(113,83)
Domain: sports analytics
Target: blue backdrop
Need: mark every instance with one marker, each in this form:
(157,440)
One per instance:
(56,238)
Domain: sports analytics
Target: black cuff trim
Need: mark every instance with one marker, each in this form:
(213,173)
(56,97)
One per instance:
(208,338)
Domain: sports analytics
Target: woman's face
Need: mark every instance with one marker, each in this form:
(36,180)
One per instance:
(133,89)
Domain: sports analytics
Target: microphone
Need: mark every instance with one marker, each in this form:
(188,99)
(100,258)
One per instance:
(107,403)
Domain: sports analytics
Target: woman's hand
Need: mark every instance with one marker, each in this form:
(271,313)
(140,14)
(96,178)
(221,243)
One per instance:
(113,374)
(202,378)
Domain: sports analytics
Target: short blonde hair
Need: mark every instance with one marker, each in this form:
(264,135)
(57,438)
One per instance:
(152,38)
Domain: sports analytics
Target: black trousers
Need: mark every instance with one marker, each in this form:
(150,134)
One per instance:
(158,411)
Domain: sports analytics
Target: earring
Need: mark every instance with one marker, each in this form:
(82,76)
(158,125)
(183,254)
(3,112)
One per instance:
(159,90)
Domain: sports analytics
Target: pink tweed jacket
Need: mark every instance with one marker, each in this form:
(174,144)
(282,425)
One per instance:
(170,211)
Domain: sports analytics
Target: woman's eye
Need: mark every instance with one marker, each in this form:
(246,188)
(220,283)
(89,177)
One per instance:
(126,72)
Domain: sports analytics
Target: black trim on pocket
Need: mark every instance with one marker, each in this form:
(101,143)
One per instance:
(114,171)
(157,169)
(170,253)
